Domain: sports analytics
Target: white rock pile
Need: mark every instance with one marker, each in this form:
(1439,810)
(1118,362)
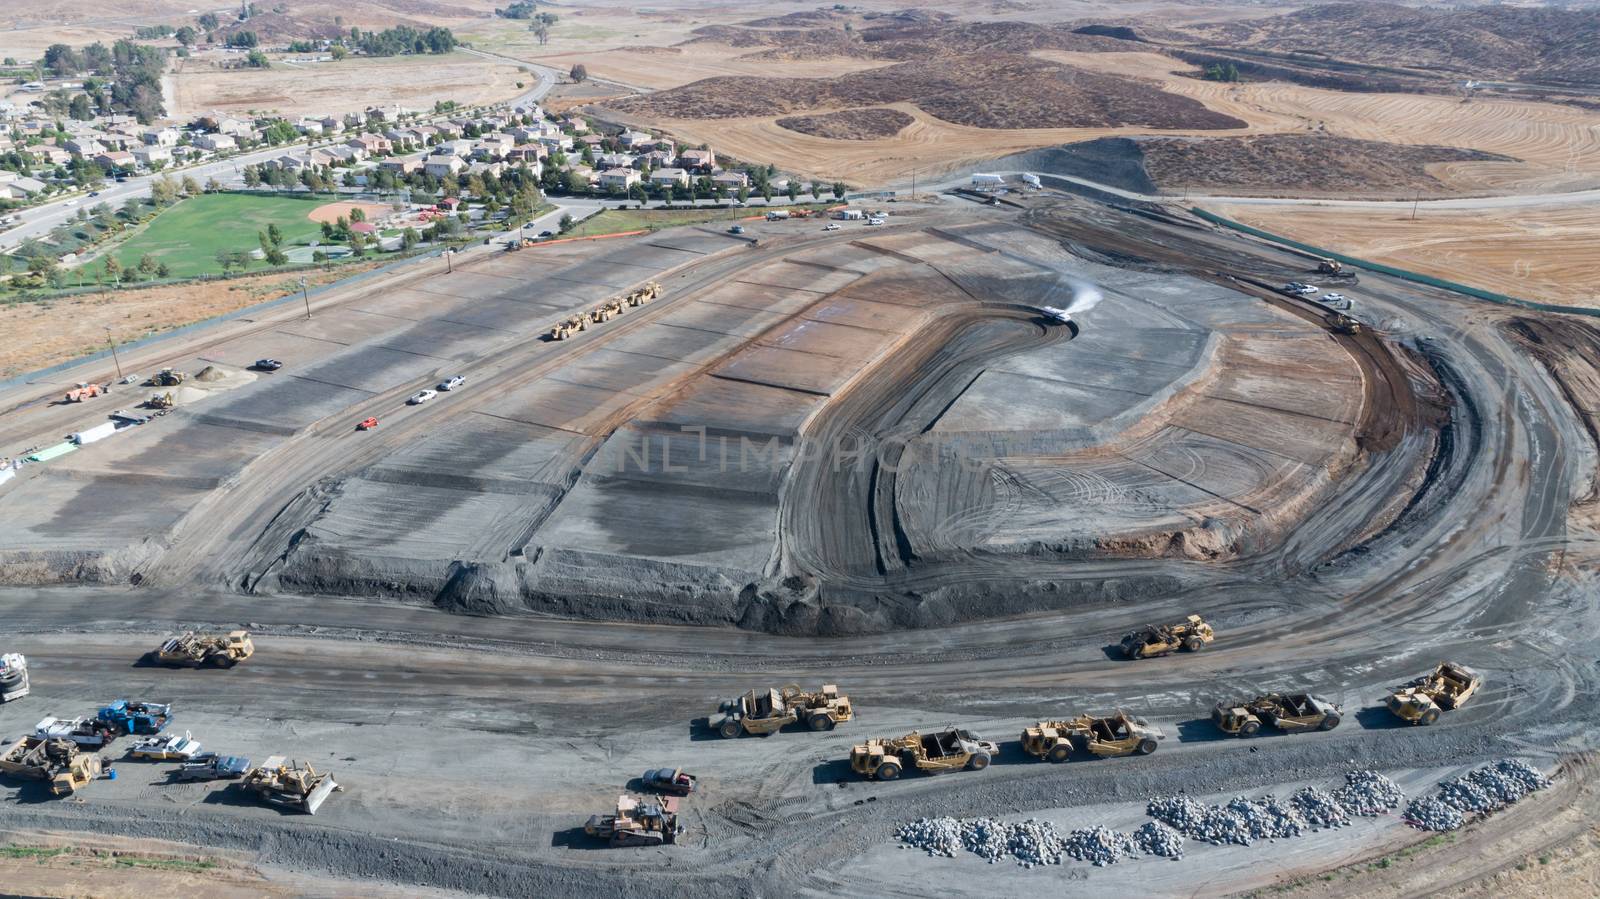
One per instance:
(1368,794)
(1101,846)
(1484,789)
(1319,808)
(1155,838)
(1429,813)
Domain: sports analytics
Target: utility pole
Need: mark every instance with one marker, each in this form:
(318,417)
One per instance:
(913,184)
(449,267)
(305,295)
(1414,204)
(114,359)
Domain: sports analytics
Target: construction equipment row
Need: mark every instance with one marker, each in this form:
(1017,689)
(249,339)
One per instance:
(56,751)
(606,311)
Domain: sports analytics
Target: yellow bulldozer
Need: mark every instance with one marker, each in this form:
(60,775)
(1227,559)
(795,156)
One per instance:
(161,400)
(167,378)
(290,784)
(638,822)
(1449,686)
(1109,736)
(764,712)
(1330,266)
(951,749)
(1190,635)
(203,650)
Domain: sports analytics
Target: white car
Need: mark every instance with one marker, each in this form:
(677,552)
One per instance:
(452,383)
(420,397)
(131,379)
(1334,298)
(165,747)
(833,227)
(871,222)
(71,203)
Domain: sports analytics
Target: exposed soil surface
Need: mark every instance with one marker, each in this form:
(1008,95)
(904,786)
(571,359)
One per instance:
(1300,164)
(1002,92)
(851,124)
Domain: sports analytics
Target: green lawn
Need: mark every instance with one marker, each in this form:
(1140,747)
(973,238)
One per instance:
(617,221)
(188,236)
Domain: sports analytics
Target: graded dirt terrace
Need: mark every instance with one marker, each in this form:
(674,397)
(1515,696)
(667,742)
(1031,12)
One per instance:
(1174,424)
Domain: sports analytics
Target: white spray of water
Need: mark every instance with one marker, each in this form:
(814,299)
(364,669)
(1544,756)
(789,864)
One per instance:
(1070,295)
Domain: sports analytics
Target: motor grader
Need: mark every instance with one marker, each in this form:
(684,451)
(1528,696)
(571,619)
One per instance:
(1110,736)
(638,822)
(290,784)
(203,650)
(1191,635)
(948,750)
(764,712)
(1291,713)
(167,378)
(1448,687)
(60,762)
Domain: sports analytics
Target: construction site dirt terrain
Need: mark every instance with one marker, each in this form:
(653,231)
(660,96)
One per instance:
(1345,504)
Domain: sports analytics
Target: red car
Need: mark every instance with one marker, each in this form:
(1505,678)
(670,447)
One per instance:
(367,424)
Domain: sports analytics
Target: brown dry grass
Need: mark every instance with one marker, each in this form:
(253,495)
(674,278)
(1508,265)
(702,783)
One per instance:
(45,333)
(345,86)
(1558,145)
(1545,253)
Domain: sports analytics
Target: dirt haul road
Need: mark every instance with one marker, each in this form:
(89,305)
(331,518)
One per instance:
(474,747)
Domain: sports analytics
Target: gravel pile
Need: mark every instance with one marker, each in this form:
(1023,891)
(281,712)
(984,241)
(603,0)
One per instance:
(1035,843)
(1368,794)
(1267,818)
(1155,838)
(1319,808)
(987,838)
(1508,780)
(1484,789)
(1465,796)
(936,836)
(1101,846)
(1428,813)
